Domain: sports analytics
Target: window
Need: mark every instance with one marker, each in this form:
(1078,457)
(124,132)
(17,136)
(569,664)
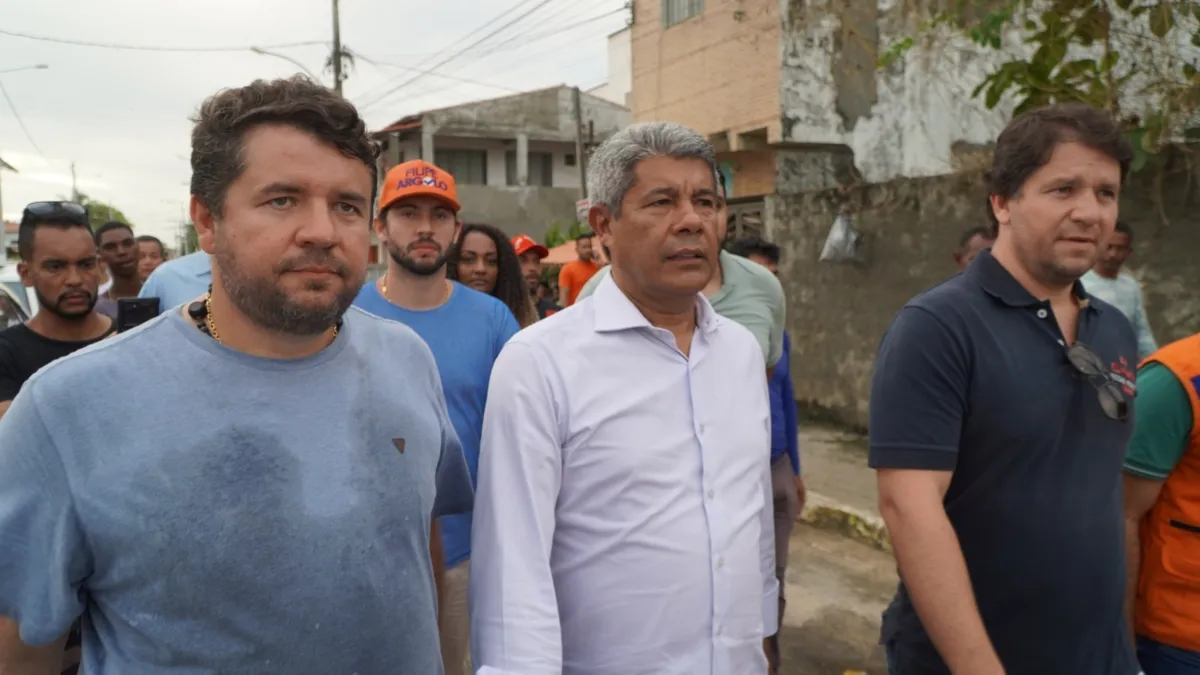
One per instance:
(678,11)
(541,168)
(569,158)
(469,167)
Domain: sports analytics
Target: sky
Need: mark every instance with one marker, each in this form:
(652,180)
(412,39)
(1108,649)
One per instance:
(122,115)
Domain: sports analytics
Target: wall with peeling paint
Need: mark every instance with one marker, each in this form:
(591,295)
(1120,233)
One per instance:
(837,313)
(900,121)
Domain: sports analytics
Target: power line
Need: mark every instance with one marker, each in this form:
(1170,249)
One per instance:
(156,48)
(20,122)
(424,94)
(526,42)
(482,27)
(431,73)
(450,58)
(528,39)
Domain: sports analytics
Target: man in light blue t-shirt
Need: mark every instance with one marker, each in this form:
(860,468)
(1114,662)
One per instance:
(178,281)
(259,497)
(1120,289)
(465,329)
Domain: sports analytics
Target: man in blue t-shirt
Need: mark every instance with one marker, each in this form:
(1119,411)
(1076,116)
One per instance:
(259,497)
(178,281)
(465,329)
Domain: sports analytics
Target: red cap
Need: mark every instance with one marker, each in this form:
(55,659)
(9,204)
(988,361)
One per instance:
(523,243)
(418,179)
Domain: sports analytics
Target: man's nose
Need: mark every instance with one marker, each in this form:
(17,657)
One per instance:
(318,228)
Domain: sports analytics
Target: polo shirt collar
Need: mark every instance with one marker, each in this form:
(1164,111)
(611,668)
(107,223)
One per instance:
(999,283)
(615,312)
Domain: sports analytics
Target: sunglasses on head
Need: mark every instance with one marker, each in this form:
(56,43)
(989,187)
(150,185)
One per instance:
(1088,364)
(66,211)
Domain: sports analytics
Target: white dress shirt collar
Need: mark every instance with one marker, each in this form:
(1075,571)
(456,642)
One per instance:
(614,311)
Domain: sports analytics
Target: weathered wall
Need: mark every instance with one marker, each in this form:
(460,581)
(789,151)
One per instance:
(532,210)
(900,121)
(837,313)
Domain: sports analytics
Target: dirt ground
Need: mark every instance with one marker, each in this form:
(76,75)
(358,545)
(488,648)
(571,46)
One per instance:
(837,590)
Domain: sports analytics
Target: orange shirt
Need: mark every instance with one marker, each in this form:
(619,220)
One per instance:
(574,275)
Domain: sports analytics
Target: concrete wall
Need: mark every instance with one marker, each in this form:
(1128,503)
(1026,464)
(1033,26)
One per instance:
(620,70)
(837,313)
(532,210)
(717,73)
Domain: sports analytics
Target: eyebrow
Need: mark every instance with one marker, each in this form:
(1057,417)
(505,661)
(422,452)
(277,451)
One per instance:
(292,189)
(87,258)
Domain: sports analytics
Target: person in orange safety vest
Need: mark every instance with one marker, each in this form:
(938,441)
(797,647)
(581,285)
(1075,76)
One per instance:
(1162,511)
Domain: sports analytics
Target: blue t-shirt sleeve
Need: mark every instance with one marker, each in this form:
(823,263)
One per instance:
(506,327)
(455,494)
(43,552)
(918,394)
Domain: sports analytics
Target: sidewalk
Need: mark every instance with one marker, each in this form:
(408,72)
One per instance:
(841,487)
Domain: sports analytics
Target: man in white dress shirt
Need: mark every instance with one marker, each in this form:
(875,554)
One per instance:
(625,522)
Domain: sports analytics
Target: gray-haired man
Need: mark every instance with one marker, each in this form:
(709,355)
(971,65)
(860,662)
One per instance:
(625,520)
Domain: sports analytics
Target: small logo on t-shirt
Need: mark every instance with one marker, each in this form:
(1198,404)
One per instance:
(399,443)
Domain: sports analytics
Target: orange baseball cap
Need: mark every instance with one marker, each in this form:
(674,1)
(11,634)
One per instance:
(523,243)
(418,178)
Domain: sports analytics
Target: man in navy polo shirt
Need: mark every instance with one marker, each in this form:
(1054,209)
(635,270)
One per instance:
(1000,412)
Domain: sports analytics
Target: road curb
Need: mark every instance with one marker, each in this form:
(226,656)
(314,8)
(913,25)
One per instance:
(829,514)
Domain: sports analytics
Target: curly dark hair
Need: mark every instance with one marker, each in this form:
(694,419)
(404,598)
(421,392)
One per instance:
(225,117)
(510,285)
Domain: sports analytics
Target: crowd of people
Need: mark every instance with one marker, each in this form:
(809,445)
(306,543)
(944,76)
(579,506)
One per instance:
(447,469)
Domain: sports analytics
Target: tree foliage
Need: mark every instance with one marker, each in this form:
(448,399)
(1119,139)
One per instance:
(1135,58)
(555,236)
(100,212)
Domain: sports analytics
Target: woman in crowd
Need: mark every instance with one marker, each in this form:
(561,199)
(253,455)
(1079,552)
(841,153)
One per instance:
(483,259)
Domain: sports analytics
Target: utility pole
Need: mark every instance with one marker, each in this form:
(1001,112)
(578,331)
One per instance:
(580,157)
(74,185)
(337,50)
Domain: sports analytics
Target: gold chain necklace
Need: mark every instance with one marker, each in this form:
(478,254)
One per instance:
(212,324)
(383,291)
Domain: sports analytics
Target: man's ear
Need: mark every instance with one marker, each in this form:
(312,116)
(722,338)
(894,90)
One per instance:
(600,220)
(1000,208)
(24,271)
(205,222)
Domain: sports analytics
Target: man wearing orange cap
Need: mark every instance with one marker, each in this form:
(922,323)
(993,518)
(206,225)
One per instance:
(465,329)
(531,254)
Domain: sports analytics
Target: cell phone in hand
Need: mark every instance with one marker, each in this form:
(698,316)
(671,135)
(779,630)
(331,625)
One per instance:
(133,312)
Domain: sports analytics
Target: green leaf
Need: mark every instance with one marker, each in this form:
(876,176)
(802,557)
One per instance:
(1162,19)
(1076,68)
(1140,157)
(1124,4)
(993,96)
(1109,61)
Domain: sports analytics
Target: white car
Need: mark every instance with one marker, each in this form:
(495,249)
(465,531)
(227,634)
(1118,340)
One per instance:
(11,287)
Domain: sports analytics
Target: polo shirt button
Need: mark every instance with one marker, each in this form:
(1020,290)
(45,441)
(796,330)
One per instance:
(1042,313)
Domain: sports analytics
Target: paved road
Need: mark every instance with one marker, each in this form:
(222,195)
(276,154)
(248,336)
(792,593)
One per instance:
(837,589)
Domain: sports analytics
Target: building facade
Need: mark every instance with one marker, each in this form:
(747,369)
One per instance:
(791,95)
(514,158)
(620,69)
